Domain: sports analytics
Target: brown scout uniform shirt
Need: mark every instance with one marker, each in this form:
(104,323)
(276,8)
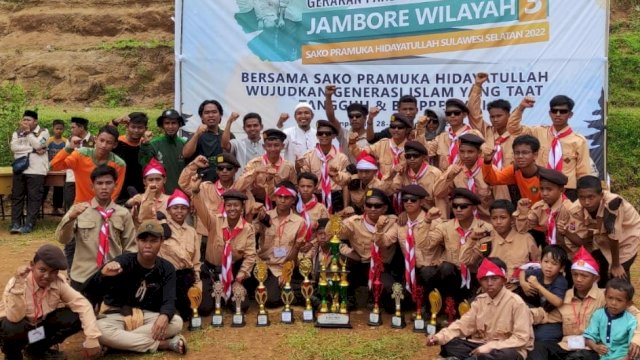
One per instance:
(444,244)
(358,195)
(182,249)
(433,182)
(515,250)
(398,234)
(440,145)
(483,190)
(255,181)
(313,164)
(361,238)
(277,241)
(382,152)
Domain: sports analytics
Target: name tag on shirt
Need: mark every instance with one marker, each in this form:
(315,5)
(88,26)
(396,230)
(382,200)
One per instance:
(280,251)
(36,334)
(575,342)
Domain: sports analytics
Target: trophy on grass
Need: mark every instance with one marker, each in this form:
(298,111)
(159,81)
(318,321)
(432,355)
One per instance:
(195,298)
(376,287)
(286,317)
(435,301)
(333,282)
(397,320)
(304,266)
(260,271)
(218,292)
(418,322)
(239,295)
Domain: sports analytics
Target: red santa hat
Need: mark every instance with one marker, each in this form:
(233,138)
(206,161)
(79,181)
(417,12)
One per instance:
(178,198)
(154,167)
(488,268)
(585,262)
(364,161)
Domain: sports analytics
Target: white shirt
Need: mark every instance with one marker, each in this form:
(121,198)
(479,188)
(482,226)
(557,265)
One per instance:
(245,150)
(25,145)
(298,142)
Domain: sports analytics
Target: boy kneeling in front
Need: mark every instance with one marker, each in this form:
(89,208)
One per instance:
(39,309)
(139,298)
(498,326)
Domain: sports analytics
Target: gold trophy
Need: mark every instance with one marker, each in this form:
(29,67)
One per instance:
(286,317)
(344,285)
(323,285)
(397,320)
(260,271)
(218,292)
(195,298)
(435,300)
(239,294)
(304,266)
(464,307)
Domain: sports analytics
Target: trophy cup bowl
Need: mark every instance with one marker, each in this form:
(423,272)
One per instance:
(397,320)
(464,307)
(304,266)
(195,298)
(418,322)
(218,292)
(260,272)
(239,295)
(287,296)
(435,301)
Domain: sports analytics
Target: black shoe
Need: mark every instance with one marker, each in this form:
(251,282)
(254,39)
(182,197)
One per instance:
(49,354)
(15,229)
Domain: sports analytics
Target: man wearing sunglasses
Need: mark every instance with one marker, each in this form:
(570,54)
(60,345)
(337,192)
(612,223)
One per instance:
(356,113)
(456,245)
(407,106)
(495,134)
(365,179)
(388,152)
(445,146)
(328,162)
(561,148)
(419,172)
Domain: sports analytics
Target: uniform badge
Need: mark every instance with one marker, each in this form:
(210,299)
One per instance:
(484,247)
(534,189)
(220,159)
(369,192)
(572,227)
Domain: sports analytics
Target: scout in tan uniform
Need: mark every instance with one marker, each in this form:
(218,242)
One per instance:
(468,173)
(262,173)
(211,192)
(358,236)
(182,250)
(611,222)
(388,152)
(419,172)
(412,240)
(365,179)
(102,229)
(231,247)
(356,114)
(561,148)
(495,134)
(456,246)
(38,300)
(325,160)
(498,326)
(145,206)
(311,210)
(282,234)
(445,145)
(514,248)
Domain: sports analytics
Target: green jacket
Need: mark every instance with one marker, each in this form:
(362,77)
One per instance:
(168,151)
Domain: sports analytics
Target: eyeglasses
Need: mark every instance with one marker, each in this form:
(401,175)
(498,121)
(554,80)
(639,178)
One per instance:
(559,111)
(454,112)
(409,199)
(433,120)
(460,206)
(397,127)
(224,167)
(355,115)
(412,156)
(323,133)
(374,205)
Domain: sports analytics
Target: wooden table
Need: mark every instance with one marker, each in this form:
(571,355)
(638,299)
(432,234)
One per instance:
(53,178)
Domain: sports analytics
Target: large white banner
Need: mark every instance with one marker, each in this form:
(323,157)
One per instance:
(265,56)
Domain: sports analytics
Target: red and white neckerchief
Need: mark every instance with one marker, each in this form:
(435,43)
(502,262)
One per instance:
(555,153)
(471,176)
(396,152)
(410,257)
(453,146)
(303,209)
(375,250)
(266,162)
(464,271)
(103,243)
(414,177)
(38,294)
(552,216)
(498,157)
(226,275)
(220,190)
(325,179)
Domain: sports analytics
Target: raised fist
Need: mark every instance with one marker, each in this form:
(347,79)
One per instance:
(481,77)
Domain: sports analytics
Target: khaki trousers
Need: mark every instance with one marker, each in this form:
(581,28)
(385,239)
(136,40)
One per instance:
(139,340)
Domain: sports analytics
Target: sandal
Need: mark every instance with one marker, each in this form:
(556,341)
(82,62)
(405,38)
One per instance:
(174,344)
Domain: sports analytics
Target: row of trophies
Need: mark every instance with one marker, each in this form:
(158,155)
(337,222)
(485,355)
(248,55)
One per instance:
(332,290)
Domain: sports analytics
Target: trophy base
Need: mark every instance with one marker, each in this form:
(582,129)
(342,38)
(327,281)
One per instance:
(216,321)
(374,319)
(419,326)
(307,316)
(333,320)
(195,323)
(397,322)
(431,329)
(286,317)
(238,320)
(263,320)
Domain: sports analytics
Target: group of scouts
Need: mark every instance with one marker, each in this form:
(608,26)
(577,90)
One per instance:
(509,217)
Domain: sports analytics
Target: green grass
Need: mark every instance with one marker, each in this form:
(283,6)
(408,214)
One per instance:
(624,151)
(130,44)
(624,61)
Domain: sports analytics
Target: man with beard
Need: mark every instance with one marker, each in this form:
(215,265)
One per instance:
(300,138)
